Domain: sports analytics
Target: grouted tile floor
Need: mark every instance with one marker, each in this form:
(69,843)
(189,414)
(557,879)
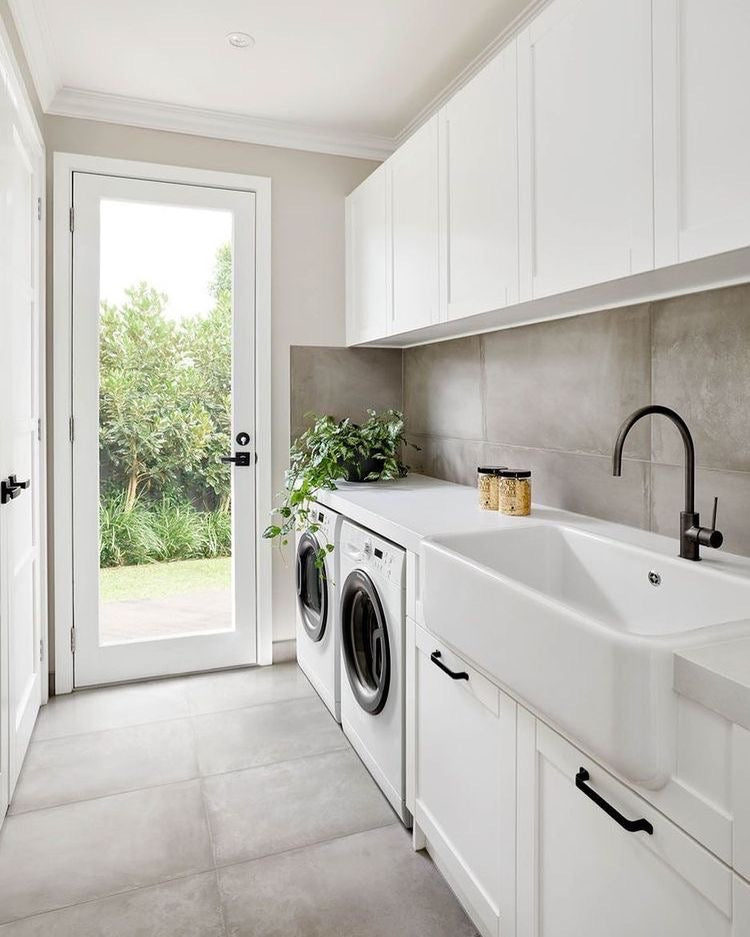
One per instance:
(209,806)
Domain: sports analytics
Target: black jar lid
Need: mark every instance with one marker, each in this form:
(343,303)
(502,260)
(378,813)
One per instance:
(491,469)
(516,473)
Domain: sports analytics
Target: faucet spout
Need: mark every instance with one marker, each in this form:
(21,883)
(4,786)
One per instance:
(692,535)
(687,441)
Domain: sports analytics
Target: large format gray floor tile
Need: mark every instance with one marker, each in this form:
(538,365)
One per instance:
(262,735)
(63,855)
(77,767)
(111,708)
(369,885)
(186,907)
(267,810)
(237,689)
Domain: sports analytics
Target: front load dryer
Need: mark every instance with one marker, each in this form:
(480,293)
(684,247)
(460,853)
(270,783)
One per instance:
(372,621)
(318,652)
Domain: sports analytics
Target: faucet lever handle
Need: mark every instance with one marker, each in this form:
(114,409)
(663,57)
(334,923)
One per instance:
(713,516)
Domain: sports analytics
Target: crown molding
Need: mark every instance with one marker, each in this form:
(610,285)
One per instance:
(223,125)
(472,69)
(38,47)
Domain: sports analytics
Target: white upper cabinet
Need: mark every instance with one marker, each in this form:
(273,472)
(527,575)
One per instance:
(585,144)
(479,185)
(413,202)
(366,253)
(701,127)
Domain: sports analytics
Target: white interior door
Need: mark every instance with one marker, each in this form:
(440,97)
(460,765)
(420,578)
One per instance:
(21,480)
(163,385)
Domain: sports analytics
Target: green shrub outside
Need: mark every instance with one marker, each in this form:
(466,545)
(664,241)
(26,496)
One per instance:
(164,420)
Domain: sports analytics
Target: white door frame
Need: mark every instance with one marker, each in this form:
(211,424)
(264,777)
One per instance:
(65,164)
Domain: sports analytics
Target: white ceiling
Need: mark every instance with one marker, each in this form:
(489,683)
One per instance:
(352,68)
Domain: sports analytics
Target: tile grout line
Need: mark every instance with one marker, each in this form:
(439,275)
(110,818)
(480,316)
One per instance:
(154,722)
(208,871)
(191,779)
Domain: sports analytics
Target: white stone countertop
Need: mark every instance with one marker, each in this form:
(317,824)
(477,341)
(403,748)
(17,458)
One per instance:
(411,509)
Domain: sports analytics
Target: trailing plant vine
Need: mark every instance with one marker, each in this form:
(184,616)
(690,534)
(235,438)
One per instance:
(330,451)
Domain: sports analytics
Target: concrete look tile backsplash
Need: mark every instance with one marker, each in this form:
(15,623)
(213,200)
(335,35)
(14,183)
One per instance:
(551,397)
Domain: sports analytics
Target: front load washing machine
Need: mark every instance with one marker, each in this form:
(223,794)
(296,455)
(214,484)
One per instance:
(372,621)
(318,652)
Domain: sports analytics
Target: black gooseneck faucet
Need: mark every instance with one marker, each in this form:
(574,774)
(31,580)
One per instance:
(692,535)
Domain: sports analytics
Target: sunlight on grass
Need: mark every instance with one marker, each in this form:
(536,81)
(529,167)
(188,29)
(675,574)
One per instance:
(158,580)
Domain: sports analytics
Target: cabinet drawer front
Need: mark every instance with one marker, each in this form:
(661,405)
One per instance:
(691,885)
(465,778)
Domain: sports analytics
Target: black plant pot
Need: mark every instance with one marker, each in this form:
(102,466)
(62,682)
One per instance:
(358,470)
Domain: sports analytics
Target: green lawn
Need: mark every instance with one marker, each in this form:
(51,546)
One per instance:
(157,580)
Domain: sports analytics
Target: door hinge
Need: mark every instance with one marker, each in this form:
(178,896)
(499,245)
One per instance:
(41,649)
(39,208)
(72,428)
(39,430)
(72,219)
(73,639)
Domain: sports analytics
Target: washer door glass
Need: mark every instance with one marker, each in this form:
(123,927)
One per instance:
(364,641)
(312,590)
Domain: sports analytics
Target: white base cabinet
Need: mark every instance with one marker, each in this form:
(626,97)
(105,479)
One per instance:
(465,782)
(581,874)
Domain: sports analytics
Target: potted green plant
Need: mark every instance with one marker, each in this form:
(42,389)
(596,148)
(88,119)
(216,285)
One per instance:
(334,450)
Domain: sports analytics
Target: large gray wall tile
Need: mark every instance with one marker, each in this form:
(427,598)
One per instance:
(581,483)
(454,460)
(369,885)
(701,368)
(442,389)
(343,382)
(187,907)
(64,855)
(733,489)
(568,384)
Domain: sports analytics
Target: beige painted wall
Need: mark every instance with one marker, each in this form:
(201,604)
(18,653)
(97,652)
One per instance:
(308,254)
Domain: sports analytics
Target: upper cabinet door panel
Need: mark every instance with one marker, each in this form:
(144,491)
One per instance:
(479,157)
(413,183)
(701,127)
(366,277)
(585,145)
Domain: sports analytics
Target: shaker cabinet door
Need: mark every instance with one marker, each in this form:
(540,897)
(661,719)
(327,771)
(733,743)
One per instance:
(465,781)
(585,145)
(366,274)
(701,128)
(413,201)
(479,182)
(582,874)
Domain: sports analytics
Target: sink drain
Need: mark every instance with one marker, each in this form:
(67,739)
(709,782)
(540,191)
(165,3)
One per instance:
(654,578)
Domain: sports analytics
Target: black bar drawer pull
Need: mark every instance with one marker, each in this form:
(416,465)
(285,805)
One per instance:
(632,826)
(454,675)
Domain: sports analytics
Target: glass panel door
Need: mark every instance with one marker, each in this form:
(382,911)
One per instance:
(163,390)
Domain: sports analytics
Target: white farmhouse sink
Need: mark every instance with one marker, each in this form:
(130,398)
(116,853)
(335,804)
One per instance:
(572,623)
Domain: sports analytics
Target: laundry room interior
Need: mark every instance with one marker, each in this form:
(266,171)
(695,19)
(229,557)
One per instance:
(374,468)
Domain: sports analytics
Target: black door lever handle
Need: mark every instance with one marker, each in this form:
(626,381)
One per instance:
(238,459)
(11,488)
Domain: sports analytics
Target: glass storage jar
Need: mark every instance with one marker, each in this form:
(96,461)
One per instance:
(488,479)
(514,492)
